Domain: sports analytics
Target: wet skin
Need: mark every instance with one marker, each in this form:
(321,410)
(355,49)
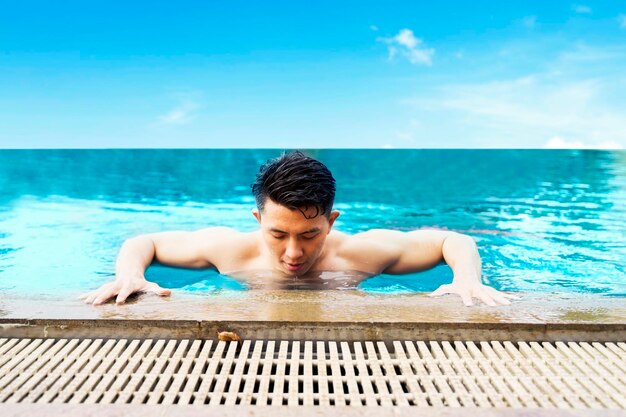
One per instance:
(312,280)
(295,243)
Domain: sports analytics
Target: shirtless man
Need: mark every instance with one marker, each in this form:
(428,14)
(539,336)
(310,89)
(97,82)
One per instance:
(294,196)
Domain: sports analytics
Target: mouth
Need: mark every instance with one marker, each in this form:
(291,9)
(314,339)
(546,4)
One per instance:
(294,267)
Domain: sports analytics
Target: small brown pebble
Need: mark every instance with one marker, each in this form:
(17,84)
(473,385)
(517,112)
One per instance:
(228,337)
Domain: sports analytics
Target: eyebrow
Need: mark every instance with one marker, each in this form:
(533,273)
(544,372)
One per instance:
(315,229)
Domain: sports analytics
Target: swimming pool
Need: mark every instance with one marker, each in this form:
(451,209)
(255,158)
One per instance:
(544,221)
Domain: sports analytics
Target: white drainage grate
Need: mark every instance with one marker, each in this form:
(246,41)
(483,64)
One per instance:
(407,373)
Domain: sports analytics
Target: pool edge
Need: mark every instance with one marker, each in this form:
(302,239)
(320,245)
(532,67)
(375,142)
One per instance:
(311,330)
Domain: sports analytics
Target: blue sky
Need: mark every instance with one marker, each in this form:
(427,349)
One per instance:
(414,74)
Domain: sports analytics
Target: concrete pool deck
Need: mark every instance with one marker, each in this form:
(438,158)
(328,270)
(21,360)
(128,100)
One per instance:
(349,315)
(63,348)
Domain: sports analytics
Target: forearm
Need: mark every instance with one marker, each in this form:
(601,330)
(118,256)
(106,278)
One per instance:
(461,254)
(135,256)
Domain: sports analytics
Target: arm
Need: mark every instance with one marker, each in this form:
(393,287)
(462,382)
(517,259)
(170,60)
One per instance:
(400,253)
(184,249)
(461,254)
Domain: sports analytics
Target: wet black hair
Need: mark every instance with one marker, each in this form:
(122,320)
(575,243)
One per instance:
(295,181)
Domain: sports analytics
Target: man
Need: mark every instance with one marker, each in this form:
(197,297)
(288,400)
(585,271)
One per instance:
(294,197)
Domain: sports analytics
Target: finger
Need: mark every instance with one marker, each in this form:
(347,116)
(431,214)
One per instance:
(482,295)
(500,299)
(154,287)
(467,299)
(85,295)
(123,294)
(443,289)
(105,295)
(503,294)
(89,299)
(511,296)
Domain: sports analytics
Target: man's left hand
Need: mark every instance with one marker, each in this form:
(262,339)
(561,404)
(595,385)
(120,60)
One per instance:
(470,290)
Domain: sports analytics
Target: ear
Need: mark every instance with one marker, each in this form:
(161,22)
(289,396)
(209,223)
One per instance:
(331,219)
(257,215)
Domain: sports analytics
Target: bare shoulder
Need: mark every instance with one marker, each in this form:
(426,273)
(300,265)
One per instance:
(212,246)
(370,239)
(219,232)
(393,239)
(226,242)
(208,237)
(384,250)
(370,251)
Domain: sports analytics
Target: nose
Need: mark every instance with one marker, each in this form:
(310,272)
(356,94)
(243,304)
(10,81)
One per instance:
(293,250)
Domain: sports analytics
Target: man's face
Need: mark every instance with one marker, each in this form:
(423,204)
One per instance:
(295,242)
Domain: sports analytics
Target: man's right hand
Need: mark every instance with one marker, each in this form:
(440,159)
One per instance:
(122,289)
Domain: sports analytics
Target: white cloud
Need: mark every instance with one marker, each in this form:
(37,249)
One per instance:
(374,28)
(392,52)
(581,8)
(182,114)
(585,55)
(557,142)
(522,112)
(529,21)
(406,44)
(406,38)
(622,21)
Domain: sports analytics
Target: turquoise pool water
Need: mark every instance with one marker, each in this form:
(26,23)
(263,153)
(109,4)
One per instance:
(544,220)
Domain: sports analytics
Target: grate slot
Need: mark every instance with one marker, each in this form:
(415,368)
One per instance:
(455,374)
(251,376)
(324,393)
(262,398)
